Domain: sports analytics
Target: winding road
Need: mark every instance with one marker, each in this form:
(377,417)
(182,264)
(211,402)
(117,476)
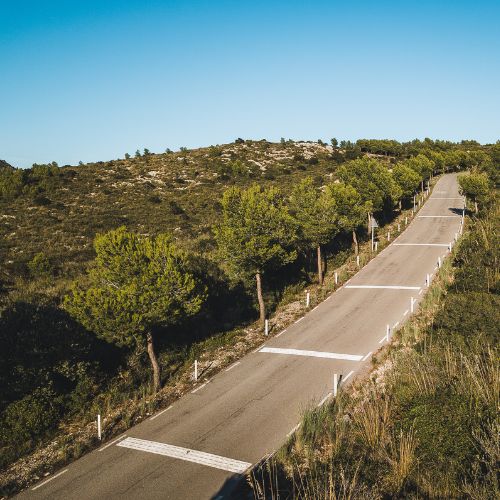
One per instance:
(198,447)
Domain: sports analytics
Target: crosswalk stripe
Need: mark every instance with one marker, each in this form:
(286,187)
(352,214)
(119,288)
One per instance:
(313,354)
(198,457)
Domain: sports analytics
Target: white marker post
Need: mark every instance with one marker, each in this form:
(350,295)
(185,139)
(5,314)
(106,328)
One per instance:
(399,228)
(336,278)
(388,333)
(412,304)
(376,246)
(335,384)
(308,298)
(439,262)
(427,280)
(99,434)
(449,246)
(196,370)
(357,260)
(406,221)
(266,326)
(456,236)
(388,236)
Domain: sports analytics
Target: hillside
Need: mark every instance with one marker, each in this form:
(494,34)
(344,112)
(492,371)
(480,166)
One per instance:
(175,192)
(58,370)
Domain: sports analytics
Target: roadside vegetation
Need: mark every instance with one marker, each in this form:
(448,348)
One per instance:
(424,423)
(115,276)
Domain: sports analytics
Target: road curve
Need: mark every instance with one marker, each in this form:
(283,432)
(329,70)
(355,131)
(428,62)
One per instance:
(207,437)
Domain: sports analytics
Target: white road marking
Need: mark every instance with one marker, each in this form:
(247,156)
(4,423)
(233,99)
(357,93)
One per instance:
(50,479)
(406,312)
(234,364)
(395,324)
(300,319)
(366,356)
(433,198)
(441,216)
(322,402)
(421,244)
(257,350)
(293,430)
(420,292)
(347,376)
(386,287)
(315,307)
(313,354)
(198,457)
(116,440)
(158,414)
(200,387)
(382,339)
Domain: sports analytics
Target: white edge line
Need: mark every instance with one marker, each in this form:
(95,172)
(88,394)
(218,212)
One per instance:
(115,441)
(258,349)
(322,402)
(315,308)
(232,366)
(158,414)
(347,376)
(198,388)
(367,356)
(50,479)
(281,333)
(382,339)
(293,430)
(395,324)
(406,312)
(300,319)
(420,292)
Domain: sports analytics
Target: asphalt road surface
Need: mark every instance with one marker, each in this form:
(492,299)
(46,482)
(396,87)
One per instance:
(207,438)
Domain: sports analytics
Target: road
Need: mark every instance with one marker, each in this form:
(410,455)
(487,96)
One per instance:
(207,437)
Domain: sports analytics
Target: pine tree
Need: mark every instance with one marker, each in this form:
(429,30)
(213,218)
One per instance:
(314,212)
(135,285)
(351,210)
(255,234)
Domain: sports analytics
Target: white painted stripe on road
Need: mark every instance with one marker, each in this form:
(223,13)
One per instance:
(234,364)
(433,198)
(198,388)
(300,319)
(441,216)
(293,430)
(158,414)
(406,312)
(50,479)
(347,376)
(197,457)
(366,356)
(421,244)
(382,339)
(115,441)
(322,402)
(313,354)
(420,293)
(395,324)
(385,287)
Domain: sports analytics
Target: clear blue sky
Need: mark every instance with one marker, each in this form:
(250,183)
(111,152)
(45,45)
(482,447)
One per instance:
(91,80)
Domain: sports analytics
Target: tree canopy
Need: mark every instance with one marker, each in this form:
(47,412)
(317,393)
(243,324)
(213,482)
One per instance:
(135,285)
(255,234)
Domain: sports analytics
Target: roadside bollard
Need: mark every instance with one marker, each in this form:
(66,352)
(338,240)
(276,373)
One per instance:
(99,434)
(336,278)
(266,327)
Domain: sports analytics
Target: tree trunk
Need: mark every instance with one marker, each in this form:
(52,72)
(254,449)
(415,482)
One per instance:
(320,266)
(369,222)
(262,306)
(400,206)
(422,186)
(154,363)
(355,241)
